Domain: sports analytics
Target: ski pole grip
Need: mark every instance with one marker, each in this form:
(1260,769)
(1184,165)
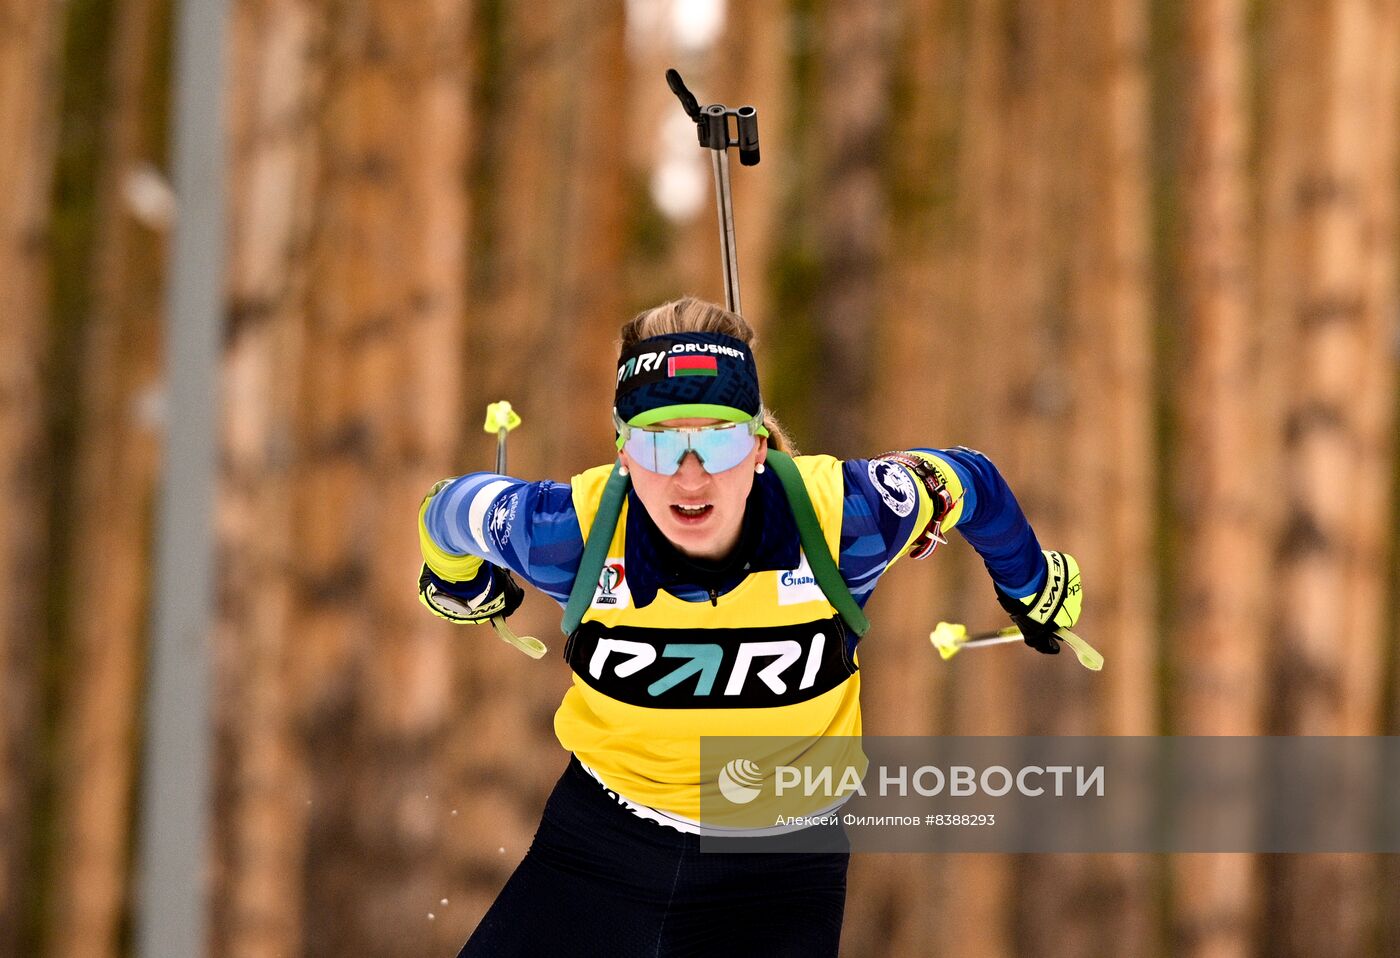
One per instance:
(688,101)
(748,135)
(500,415)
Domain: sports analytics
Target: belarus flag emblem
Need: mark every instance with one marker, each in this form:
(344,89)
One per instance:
(691,366)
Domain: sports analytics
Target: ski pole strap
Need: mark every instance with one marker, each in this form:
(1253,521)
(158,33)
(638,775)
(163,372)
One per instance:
(809,530)
(595,551)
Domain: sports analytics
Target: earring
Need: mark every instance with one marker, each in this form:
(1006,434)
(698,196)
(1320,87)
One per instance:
(759,468)
(622,470)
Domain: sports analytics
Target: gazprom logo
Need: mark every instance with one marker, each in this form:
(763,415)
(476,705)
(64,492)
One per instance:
(798,585)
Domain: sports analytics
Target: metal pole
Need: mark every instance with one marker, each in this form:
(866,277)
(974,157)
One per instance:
(712,127)
(729,253)
(172,886)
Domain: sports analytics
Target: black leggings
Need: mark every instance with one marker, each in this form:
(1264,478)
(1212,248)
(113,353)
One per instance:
(598,880)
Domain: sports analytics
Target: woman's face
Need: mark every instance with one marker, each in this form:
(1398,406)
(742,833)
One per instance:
(701,514)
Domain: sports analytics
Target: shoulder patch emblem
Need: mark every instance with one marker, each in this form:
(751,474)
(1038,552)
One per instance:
(502,515)
(895,486)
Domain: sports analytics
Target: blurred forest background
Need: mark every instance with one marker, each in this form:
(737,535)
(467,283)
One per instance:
(1142,253)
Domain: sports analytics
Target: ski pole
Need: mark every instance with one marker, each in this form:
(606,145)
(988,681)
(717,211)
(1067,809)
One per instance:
(712,125)
(950,638)
(501,419)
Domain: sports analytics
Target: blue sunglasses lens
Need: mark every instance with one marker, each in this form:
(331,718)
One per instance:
(719,448)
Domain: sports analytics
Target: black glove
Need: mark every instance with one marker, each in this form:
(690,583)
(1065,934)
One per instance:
(1055,606)
(471,603)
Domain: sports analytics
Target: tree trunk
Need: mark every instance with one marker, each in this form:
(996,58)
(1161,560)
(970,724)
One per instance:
(546,303)
(498,780)
(262,788)
(587,308)
(111,516)
(1087,424)
(1004,172)
(920,314)
(1218,630)
(370,692)
(29,39)
(1330,271)
(1112,435)
(850,129)
(762,79)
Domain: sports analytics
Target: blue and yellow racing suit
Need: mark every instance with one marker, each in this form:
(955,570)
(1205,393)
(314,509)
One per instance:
(673,648)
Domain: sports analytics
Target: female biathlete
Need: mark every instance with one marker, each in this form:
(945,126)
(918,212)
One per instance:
(705,556)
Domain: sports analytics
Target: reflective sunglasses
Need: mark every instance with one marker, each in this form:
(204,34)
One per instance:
(719,447)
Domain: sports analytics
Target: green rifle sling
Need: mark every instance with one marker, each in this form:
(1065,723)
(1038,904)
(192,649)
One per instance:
(595,551)
(809,530)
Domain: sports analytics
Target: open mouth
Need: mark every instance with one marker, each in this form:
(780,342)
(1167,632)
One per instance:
(692,514)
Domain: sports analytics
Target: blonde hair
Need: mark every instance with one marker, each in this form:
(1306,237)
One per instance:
(691,315)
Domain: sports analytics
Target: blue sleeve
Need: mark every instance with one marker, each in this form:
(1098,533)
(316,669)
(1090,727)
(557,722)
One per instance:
(878,520)
(528,527)
(992,523)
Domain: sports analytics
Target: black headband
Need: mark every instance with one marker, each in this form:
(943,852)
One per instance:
(678,375)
